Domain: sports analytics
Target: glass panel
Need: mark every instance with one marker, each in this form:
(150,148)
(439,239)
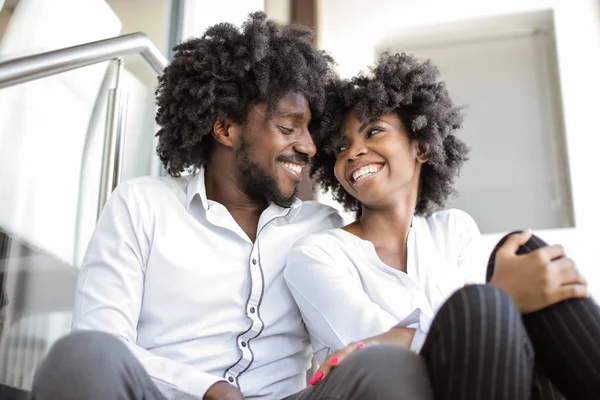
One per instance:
(49,188)
(51,144)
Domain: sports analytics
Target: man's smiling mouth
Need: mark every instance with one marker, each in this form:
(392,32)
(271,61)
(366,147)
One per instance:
(292,168)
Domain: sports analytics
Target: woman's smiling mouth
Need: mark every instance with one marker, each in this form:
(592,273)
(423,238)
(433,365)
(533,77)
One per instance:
(364,173)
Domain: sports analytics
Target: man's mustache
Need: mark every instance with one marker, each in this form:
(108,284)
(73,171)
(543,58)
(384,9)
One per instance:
(297,158)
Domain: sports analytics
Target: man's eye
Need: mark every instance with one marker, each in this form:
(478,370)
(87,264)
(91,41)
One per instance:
(285,129)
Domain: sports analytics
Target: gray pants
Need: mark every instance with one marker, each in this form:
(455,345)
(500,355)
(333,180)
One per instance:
(94,365)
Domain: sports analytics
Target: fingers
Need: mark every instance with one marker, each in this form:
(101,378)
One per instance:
(328,366)
(325,368)
(333,361)
(571,292)
(567,273)
(550,253)
(316,377)
(514,241)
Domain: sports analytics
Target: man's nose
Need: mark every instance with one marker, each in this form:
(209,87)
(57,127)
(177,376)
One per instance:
(305,144)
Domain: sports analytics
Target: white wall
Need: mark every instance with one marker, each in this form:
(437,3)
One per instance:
(279,11)
(504,71)
(199,15)
(352,30)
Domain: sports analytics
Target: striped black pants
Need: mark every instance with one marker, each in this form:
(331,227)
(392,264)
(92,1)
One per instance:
(480,347)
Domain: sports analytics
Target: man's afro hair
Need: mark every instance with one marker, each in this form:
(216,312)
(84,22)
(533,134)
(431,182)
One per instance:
(226,71)
(409,87)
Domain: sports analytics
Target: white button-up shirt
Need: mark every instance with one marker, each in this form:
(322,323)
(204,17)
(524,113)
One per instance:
(346,293)
(171,274)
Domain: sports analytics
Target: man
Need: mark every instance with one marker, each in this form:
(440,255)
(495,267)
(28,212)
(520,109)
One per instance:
(186,272)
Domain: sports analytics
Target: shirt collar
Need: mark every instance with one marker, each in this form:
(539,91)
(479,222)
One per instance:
(197,187)
(294,209)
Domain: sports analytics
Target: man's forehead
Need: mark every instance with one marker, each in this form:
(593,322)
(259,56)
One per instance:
(294,105)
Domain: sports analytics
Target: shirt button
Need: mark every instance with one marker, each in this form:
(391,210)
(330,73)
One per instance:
(254,261)
(252,310)
(230,379)
(243,344)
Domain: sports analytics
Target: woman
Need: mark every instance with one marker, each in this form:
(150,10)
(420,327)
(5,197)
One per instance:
(401,272)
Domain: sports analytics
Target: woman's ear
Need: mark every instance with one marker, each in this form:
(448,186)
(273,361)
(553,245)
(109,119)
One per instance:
(226,132)
(422,151)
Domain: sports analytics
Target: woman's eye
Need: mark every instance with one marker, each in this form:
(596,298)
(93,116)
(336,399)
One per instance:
(373,131)
(286,130)
(342,149)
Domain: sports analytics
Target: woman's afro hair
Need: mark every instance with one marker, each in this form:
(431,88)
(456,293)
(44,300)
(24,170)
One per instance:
(402,84)
(223,73)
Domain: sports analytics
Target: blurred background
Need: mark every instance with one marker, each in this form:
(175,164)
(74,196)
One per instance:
(524,71)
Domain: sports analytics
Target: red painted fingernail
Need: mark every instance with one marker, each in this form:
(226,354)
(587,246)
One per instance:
(360,345)
(316,378)
(334,361)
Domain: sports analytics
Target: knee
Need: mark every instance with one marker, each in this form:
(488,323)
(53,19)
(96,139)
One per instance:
(483,306)
(79,353)
(481,315)
(534,243)
(479,322)
(85,346)
(391,372)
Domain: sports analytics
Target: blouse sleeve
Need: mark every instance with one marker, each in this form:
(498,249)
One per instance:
(335,308)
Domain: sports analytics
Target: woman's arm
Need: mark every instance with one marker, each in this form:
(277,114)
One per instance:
(333,303)
(397,335)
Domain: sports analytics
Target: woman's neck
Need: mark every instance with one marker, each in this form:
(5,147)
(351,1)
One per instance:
(386,226)
(388,229)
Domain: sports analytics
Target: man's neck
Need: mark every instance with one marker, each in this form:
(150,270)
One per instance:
(222,186)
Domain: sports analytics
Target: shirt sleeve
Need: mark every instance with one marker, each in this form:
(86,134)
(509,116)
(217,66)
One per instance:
(472,258)
(333,304)
(417,321)
(110,289)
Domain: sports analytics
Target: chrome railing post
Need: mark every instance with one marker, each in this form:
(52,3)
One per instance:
(112,156)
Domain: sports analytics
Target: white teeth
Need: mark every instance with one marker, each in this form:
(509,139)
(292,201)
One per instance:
(365,171)
(294,167)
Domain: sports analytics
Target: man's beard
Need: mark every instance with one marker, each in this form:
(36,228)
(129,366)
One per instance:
(257,183)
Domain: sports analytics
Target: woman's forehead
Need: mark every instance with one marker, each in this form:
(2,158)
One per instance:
(353,123)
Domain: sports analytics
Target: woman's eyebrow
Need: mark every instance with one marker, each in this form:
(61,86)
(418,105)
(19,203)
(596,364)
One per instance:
(369,122)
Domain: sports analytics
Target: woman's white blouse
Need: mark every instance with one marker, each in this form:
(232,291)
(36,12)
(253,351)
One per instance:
(346,293)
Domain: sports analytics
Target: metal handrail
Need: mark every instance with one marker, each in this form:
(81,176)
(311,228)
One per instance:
(28,68)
